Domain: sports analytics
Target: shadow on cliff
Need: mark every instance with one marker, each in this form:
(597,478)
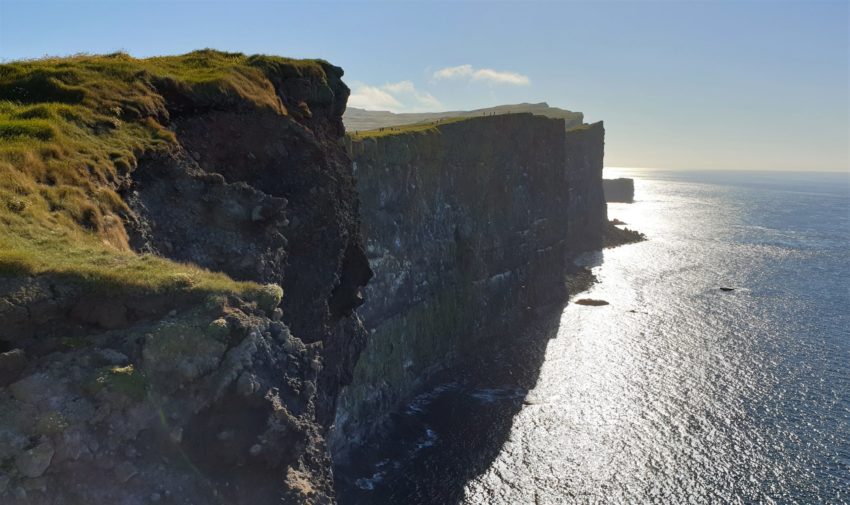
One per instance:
(453,430)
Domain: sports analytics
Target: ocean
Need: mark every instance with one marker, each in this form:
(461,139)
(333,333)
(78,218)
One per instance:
(677,391)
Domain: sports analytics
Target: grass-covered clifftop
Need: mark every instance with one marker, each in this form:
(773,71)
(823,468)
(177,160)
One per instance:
(71,132)
(429,127)
(360,119)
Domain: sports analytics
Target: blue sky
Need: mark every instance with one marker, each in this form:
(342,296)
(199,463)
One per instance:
(680,85)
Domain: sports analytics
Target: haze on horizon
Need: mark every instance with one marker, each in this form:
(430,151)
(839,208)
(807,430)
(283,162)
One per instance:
(691,85)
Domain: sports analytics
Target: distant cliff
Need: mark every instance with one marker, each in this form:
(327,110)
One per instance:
(587,212)
(469,227)
(360,119)
(619,190)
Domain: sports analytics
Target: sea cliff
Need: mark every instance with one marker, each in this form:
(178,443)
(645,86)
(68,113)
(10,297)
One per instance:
(619,190)
(470,226)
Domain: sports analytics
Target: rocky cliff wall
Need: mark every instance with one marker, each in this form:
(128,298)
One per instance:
(469,227)
(588,212)
(189,391)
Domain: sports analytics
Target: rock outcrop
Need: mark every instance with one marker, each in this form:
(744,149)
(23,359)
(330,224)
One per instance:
(469,228)
(619,190)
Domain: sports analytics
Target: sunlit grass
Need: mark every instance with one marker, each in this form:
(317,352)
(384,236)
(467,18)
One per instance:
(82,259)
(72,129)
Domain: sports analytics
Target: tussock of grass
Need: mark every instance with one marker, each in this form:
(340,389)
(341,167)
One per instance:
(72,129)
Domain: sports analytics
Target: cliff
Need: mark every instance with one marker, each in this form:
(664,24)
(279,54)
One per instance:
(151,210)
(587,211)
(619,190)
(469,226)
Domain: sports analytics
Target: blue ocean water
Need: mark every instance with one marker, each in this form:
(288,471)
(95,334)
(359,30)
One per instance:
(675,392)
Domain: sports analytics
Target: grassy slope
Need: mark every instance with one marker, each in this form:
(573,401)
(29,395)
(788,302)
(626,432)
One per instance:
(71,129)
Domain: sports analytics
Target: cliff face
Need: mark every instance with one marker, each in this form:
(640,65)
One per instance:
(270,198)
(588,213)
(469,226)
(133,377)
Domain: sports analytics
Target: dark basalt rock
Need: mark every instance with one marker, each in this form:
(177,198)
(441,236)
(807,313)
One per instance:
(612,236)
(12,364)
(592,302)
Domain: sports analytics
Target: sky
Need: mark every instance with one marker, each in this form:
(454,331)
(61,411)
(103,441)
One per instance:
(734,85)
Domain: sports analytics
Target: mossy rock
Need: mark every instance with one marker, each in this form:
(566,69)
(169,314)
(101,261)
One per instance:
(126,381)
(269,297)
(218,329)
(181,350)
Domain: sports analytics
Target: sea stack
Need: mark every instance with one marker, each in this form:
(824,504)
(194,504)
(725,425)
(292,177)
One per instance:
(620,190)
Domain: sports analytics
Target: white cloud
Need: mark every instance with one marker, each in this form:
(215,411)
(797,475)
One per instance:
(394,96)
(400,87)
(370,97)
(482,74)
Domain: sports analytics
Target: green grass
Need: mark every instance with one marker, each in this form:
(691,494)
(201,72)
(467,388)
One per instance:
(85,260)
(429,127)
(72,129)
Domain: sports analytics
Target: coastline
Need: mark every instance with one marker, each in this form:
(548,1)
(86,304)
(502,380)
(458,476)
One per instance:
(454,408)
